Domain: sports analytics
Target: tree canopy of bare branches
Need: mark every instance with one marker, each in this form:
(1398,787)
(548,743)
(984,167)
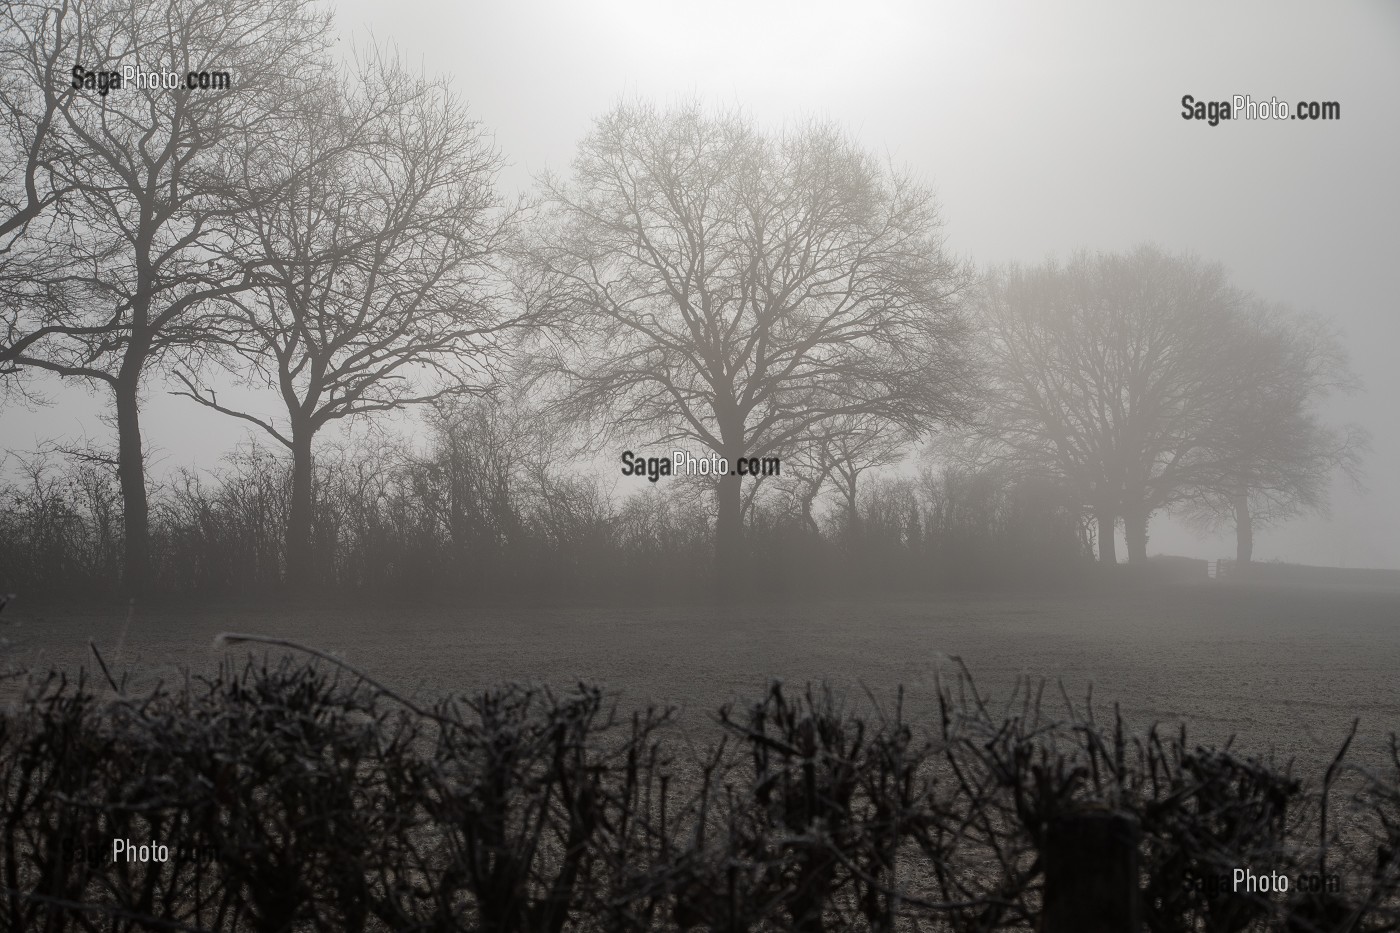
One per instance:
(38,42)
(377,287)
(734,289)
(145,195)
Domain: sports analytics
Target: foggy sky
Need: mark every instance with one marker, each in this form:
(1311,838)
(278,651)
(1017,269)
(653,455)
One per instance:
(1043,127)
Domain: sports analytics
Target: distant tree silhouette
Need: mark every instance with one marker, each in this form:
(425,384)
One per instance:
(850,446)
(735,290)
(1113,373)
(1277,457)
(806,469)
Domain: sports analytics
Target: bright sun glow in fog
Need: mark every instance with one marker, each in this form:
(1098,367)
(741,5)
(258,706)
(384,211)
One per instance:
(765,47)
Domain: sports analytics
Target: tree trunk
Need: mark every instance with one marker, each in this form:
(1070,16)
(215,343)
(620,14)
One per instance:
(299,556)
(853,524)
(1108,546)
(807,517)
(1135,532)
(1244,529)
(729,517)
(131,460)
(131,472)
(729,534)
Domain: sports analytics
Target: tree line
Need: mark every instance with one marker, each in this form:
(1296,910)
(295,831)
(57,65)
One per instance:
(475,514)
(331,232)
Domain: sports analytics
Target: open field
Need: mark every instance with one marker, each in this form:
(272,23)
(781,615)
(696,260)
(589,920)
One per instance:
(1284,666)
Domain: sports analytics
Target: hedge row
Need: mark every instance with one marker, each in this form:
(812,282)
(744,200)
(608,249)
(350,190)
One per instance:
(297,797)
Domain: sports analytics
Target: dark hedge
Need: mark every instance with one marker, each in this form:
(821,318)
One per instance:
(301,797)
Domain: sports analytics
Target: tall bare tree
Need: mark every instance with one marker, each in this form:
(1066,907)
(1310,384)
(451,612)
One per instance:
(153,197)
(733,289)
(1278,456)
(1112,373)
(377,288)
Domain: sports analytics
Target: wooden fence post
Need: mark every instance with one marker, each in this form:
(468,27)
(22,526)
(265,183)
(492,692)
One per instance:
(1091,873)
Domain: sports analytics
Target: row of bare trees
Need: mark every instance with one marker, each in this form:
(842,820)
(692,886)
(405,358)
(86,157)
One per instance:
(472,517)
(330,235)
(327,232)
(131,196)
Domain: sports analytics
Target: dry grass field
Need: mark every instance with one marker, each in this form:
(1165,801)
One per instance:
(1285,667)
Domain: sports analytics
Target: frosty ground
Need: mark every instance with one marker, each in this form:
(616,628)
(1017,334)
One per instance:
(1283,667)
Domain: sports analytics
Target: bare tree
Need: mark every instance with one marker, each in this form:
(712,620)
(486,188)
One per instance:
(1113,374)
(480,480)
(152,197)
(806,470)
(377,290)
(1277,457)
(847,447)
(734,289)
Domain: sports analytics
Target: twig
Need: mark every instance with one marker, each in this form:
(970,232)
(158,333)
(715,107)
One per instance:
(108,910)
(235,638)
(1326,794)
(103,664)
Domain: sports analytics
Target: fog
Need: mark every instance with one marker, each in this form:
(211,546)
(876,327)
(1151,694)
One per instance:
(328,488)
(1043,130)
